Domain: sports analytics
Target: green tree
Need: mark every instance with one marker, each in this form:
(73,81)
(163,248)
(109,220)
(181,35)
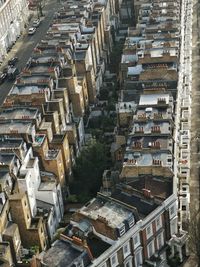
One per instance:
(88,171)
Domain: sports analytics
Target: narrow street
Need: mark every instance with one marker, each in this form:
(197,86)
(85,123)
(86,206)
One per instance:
(25,45)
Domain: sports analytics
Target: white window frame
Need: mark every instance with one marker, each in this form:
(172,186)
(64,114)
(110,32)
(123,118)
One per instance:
(136,244)
(141,258)
(173,226)
(131,221)
(172,214)
(128,261)
(151,231)
(153,249)
(104,264)
(122,230)
(158,222)
(159,246)
(128,252)
(116,260)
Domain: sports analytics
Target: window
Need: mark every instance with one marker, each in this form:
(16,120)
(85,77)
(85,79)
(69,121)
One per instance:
(136,240)
(114,260)
(160,241)
(131,221)
(172,211)
(183,207)
(104,264)
(158,223)
(138,258)
(149,231)
(126,250)
(150,249)
(128,263)
(122,230)
(173,226)
(25,203)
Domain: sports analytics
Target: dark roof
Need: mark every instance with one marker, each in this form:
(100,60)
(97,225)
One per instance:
(97,246)
(63,254)
(144,206)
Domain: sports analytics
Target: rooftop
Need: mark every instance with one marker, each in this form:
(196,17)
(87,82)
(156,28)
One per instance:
(6,159)
(52,154)
(154,99)
(10,229)
(6,142)
(148,158)
(113,213)
(17,127)
(63,253)
(28,89)
(17,113)
(144,204)
(47,186)
(149,127)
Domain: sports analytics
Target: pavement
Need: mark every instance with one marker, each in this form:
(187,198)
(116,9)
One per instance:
(195,121)
(26,43)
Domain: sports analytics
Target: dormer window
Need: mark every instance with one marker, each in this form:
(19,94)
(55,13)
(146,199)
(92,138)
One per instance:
(131,221)
(122,230)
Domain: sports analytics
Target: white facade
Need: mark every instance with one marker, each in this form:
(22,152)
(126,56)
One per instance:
(49,191)
(13,16)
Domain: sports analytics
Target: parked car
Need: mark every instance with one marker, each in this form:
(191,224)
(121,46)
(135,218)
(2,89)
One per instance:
(2,77)
(12,73)
(12,61)
(31,31)
(36,23)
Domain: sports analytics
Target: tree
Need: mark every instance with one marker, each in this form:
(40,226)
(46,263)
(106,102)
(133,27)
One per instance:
(194,235)
(88,171)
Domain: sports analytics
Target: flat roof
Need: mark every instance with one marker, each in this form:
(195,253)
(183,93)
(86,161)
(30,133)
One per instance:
(147,127)
(152,99)
(146,158)
(114,213)
(28,89)
(6,142)
(63,253)
(47,186)
(147,142)
(16,113)
(15,127)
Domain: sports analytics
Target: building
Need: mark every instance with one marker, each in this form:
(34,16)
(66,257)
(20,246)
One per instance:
(13,19)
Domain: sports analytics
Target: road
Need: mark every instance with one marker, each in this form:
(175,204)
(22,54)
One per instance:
(25,45)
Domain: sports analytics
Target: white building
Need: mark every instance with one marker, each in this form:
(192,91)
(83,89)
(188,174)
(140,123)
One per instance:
(13,17)
(43,191)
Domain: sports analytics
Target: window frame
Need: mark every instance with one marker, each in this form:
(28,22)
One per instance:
(153,249)
(162,241)
(138,243)
(126,254)
(141,258)
(151,231)
(116,262)
(160,222)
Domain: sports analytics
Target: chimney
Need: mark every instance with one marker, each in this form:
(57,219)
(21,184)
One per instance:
(146,192)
